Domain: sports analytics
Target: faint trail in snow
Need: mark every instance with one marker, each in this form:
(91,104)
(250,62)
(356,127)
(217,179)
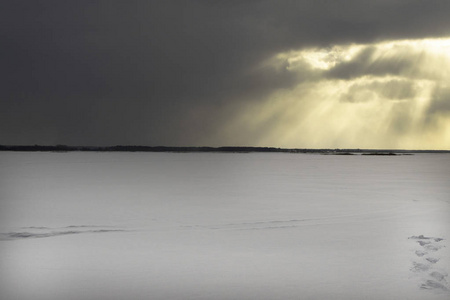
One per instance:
(87,226)
(427,267)
(45,232)
(70,226)
(291,223)
(272,224)
(35,227)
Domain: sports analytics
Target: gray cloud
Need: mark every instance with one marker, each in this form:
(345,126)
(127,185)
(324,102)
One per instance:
(395,89)
(164,72)
(367,63)
(441,101)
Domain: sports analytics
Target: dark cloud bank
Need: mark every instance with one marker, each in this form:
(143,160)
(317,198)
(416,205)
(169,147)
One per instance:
(166,72)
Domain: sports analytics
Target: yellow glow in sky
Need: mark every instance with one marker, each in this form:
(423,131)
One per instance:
(393,94)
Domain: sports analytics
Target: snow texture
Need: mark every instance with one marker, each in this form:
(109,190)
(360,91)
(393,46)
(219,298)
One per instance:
(223,226)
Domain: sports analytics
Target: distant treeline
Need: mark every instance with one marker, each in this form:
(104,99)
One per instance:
(121,148)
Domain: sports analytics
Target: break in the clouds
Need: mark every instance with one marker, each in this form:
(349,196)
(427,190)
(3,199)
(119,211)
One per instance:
(392,94)
(259,73)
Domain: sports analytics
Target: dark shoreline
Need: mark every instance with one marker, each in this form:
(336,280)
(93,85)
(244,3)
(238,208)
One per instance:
(64,148)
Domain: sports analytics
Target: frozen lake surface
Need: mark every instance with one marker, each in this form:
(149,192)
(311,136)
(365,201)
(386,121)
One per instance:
(224,226)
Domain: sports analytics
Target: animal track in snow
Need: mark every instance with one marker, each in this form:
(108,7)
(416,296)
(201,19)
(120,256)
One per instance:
(426,266)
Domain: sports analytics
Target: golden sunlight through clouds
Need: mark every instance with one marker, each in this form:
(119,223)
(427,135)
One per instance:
(393,94)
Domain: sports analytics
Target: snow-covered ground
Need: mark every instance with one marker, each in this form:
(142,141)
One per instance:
(224,226)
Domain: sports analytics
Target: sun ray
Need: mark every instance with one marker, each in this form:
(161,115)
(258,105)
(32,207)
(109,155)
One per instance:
(375,95)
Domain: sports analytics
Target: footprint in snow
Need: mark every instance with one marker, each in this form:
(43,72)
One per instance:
(421,253)
(426,266)
(432,260)
(438,276)
(419,267)
(431,284)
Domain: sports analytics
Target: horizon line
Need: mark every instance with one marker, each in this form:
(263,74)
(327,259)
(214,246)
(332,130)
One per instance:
(142,148)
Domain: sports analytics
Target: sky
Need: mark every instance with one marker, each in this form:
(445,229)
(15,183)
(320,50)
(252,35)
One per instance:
(292,74)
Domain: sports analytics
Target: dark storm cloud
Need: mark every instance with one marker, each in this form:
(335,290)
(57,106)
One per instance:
(161,72)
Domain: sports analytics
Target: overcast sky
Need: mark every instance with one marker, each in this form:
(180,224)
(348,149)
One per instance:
(308,74)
